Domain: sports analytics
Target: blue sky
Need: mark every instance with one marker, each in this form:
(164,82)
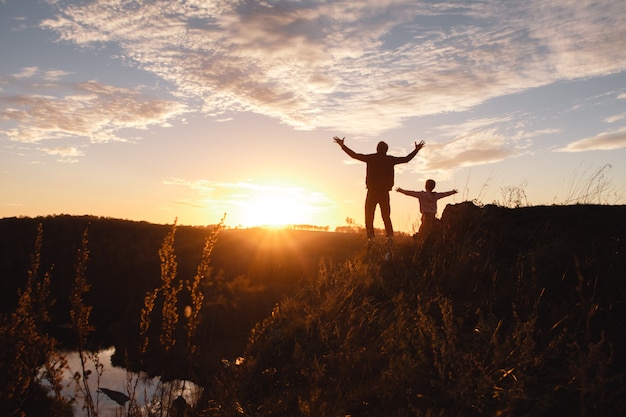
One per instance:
(163,110)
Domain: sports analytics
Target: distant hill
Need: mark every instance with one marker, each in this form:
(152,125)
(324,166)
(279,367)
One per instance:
(124,254)
(264,265)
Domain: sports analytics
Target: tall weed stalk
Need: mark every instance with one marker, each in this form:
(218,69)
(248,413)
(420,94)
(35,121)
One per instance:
(168,295)
(80,314)
(26,347)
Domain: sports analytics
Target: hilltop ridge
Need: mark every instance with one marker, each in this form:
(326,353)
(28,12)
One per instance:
(513,312)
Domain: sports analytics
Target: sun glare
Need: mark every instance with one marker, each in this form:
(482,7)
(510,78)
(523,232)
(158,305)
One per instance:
(274,207)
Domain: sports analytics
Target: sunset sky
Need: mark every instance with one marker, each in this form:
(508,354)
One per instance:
(189,109)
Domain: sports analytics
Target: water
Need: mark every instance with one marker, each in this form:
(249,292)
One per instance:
(148,391)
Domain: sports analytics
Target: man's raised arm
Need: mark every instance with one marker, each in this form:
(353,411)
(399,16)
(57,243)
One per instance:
(350,152)
(414,152)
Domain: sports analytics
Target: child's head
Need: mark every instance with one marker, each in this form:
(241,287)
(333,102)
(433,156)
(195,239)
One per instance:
(430,185)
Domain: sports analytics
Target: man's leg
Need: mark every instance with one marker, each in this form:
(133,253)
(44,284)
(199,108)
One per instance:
(370,208)
(385,211)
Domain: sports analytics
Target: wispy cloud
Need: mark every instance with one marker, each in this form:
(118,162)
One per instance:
(27,72)
(615,118)
(475,148)
(478,142)
(65,154)
(90,111)
(357,66)
(602,142)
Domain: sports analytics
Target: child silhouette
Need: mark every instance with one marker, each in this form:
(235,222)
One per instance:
(428,205)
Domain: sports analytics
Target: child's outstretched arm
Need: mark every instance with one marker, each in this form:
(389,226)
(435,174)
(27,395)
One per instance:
(407,192)
(446,193)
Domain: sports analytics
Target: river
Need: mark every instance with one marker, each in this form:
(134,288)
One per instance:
(148,392)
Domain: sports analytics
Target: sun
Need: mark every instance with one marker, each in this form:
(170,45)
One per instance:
(274,207)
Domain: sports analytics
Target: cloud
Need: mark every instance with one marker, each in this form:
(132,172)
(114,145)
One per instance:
(474,148)
(189,204)
(473,125)
(65,154)
(479,141)
(89,110)
(54,75)
(362,66)
(602,142)
(615,118)
(27,72)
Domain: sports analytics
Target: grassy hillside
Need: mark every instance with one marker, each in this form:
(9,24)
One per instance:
(513,312)
(510,312)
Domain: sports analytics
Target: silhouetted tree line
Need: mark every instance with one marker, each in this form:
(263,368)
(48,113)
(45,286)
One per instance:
(310,227)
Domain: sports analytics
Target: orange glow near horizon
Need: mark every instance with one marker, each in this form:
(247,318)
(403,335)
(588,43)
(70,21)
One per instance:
(274,207)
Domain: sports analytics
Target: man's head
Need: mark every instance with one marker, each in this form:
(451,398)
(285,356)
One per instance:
(430,185)
(382,148)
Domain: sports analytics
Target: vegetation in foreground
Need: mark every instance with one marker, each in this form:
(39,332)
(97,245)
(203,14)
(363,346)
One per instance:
(513,312)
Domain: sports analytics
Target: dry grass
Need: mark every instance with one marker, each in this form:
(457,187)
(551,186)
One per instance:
(452,327)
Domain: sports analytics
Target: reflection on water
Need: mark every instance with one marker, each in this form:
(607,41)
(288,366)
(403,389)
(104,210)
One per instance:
(148,392)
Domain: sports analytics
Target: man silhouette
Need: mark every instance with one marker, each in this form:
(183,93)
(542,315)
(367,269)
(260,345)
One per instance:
(379,181)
